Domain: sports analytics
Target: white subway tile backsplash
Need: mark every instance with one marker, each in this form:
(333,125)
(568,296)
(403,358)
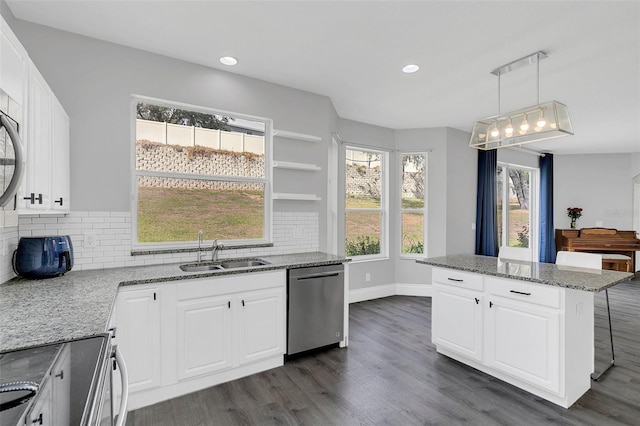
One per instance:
(292,232)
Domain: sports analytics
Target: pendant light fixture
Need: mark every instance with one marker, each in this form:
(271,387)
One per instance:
(532,124)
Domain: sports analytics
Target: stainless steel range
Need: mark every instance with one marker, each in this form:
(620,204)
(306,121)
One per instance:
(67,383)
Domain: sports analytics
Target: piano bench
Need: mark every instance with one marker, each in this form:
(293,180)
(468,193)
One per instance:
(616,262)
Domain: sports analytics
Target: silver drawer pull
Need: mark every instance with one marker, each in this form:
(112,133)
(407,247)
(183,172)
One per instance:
(520,292)
(455,279)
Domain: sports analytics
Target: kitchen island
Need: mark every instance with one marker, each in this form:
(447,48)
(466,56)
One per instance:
(527,323)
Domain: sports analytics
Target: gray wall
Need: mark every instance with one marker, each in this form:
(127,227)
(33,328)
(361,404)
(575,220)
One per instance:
(380,271)
(94,81)
(599,183)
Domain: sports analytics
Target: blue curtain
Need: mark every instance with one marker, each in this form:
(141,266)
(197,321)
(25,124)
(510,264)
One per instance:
(486,207)
(547,238)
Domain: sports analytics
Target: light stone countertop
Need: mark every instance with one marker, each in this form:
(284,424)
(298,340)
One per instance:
(539,273)
(79,304)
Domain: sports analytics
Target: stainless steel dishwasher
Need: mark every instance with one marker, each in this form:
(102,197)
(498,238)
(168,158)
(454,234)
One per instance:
(315,307)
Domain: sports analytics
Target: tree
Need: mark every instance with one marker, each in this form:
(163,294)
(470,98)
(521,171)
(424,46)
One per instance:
(520,180)
(152,112)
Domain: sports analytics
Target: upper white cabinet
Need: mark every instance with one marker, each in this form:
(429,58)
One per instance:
(44,130)
(46,185)
(13,65)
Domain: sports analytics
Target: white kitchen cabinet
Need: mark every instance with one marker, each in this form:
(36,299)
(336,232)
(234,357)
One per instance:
(534,336)
(523,340)
(205,336)
(61,378)
(261,328)
(13,65)
(138,335)
(46,185)
(457,320)
(60,179)
(211,330)
(218,332)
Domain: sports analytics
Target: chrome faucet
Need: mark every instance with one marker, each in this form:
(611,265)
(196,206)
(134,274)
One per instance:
(216,246)
(200,234)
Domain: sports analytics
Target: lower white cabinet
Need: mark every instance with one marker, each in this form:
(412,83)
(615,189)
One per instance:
(523,340)
(138,334)
(534,336)
(204,336)
(181,336)
(457,320)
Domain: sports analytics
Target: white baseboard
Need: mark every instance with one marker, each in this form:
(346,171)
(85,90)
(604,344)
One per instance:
(398,289)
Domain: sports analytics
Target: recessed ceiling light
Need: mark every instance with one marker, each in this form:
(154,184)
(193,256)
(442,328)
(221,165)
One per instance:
(228,60)
(411,68)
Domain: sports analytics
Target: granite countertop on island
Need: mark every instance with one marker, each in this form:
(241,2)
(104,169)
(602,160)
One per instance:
(79,303)
(534,272)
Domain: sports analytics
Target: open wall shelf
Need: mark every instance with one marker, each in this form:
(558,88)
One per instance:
(295,166)
(295,197)
(296,136)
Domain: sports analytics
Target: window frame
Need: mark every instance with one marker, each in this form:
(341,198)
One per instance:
(267,237)
(401,210)
(534,214)
(384,204)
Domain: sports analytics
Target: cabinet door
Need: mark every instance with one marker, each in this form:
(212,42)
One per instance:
(523,340)
(37,186)
(60,156)
(42,411)
(457,320)
(261,324)
(204,335)
(13,64)
(61,381)
(138,336)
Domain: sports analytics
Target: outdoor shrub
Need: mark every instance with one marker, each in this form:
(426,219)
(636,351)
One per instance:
(362,245)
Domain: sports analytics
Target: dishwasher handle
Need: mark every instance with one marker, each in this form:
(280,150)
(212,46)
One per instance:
(317,275)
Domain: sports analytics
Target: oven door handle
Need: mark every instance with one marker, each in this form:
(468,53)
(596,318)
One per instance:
(121,417)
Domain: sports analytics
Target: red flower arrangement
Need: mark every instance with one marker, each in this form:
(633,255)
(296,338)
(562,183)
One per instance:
(574,213)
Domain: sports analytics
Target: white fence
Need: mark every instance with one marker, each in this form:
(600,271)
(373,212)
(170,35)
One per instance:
(176,134)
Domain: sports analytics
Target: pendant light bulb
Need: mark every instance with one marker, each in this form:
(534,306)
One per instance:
(495,132)
(541,120)
(509,129)
(525,124)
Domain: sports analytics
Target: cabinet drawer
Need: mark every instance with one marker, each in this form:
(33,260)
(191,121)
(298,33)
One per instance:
(518,290)
(457,278)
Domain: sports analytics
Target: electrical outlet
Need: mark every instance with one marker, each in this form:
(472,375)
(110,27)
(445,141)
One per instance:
(90,240)
(367,277)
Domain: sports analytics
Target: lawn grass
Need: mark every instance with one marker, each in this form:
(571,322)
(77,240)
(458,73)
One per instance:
(174,214)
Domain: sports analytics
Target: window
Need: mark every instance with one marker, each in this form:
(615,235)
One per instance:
(365,204)
(199,169)
(412,206)
(517,201)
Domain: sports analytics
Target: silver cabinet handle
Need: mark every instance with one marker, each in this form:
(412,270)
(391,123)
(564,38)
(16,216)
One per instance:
(124,377)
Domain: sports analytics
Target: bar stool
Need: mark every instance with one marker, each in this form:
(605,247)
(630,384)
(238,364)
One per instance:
(589,261)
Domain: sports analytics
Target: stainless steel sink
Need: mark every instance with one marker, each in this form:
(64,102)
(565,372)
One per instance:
(232,264)
(201,267)
(228,264)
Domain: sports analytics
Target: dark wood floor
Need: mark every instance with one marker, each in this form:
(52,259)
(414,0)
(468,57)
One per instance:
(392,375)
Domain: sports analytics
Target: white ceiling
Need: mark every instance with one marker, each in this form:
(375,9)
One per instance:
(353,52)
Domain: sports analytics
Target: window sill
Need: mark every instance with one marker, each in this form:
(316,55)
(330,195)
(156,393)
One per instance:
(362,259)
(195,249)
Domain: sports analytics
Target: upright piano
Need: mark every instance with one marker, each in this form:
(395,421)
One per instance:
(600,240)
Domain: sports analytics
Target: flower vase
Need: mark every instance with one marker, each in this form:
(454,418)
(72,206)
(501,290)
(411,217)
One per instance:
(573,223)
